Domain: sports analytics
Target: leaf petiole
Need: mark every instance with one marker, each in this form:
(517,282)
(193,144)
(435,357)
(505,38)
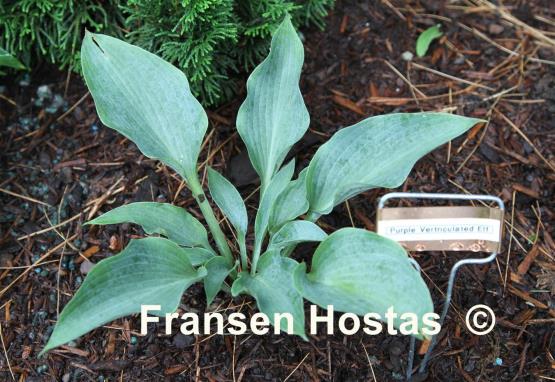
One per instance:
(208,213)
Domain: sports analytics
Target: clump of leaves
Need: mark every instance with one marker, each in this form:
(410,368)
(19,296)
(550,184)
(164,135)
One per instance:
(149,101)
(425,39)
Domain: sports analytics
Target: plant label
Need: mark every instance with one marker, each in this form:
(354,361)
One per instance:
(459,228)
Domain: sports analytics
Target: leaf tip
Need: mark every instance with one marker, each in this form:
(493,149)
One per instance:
(49,345)
(303,336)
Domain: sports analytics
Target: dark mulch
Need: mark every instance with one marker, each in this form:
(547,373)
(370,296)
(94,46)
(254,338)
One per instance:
(80,168)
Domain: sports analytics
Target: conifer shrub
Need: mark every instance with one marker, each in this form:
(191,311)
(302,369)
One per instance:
(212,41)
(52,30)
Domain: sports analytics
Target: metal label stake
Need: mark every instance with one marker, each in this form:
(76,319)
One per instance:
(445,228)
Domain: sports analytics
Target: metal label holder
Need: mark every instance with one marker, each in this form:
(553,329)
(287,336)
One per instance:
(477,246)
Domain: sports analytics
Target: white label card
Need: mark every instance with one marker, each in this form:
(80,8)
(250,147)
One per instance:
(441,229)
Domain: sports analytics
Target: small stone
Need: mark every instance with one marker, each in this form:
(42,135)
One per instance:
(44,92)
(498,361)
(41,369)
(495,29)
(86,267)
(56,104)
(407,56)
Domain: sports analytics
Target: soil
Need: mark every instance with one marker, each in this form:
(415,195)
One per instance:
(60,166)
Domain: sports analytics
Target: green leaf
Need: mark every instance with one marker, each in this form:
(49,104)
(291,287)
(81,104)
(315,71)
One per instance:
(274,291)
(360,272)
(146,99)
(275,188)
(162,218)
(425,39)
(228,200)
(296,232)
(6,59)
(198,256)
(218,268)
(274,116)
(290,204)
(151,271)
(376,152)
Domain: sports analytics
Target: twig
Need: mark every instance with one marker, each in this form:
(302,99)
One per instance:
(482,135)
(395,10)
(9,100)
(369,363)
(28,198)
(39,261)
(218,148)
(515,127)
(509,17)
(295,369)
(481,35)
(51,227)
(73,107)
(453,78)
(349,213)
(414,88)
(233,358)
(510,243)
(6,352)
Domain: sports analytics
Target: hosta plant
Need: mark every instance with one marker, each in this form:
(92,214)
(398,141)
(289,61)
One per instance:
(149,101)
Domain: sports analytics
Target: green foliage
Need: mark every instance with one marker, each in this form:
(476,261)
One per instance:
(274,289)
(267,131)
(214,40)
(339,278)
(346,154)
(196,36)
(425,39)
(150,271)
(162,218)
(52,29)
(352,269)
(150,81)
(9,60)
(296,232)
